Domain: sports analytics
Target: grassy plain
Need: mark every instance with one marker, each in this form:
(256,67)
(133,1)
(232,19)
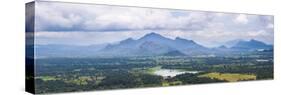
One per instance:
(231,77)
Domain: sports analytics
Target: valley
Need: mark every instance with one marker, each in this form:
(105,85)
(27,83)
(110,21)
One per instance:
(84,74)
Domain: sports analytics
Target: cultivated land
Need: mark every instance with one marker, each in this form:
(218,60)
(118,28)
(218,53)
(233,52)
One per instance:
(231,77)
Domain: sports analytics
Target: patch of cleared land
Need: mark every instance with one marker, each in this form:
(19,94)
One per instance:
(47,78)
(154,69)
(231,77)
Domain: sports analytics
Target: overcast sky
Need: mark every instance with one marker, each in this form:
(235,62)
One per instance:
(83,24)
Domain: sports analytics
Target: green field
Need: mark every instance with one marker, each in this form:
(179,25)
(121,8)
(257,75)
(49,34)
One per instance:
(231,77)
(47,78)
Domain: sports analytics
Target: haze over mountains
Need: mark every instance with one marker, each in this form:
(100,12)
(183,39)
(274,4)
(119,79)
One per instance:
(151,44)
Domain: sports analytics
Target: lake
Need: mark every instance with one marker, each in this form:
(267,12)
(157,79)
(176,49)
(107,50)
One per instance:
(171,72)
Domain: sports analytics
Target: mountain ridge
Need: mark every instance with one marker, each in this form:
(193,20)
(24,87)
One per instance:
(151,44)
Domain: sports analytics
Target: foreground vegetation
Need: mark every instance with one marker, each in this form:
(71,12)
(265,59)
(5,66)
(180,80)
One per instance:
(83,74)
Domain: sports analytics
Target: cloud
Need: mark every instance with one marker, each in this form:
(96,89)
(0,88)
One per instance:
(74,17)
(241,19)
(85,38)
(85,24)
(86,17)
(270,26)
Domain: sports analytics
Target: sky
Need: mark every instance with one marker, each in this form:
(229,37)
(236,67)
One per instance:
(88,24)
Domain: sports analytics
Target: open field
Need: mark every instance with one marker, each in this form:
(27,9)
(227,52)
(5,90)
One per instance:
(229,76)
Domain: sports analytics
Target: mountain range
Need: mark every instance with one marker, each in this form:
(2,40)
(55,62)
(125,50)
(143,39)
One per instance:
(151,44)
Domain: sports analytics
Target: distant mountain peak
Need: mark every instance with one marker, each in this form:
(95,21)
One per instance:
(184,40)
(179,38)
(252,44)
(127,40)
(253,40)
(130,39)
(152,34)
(154,44)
